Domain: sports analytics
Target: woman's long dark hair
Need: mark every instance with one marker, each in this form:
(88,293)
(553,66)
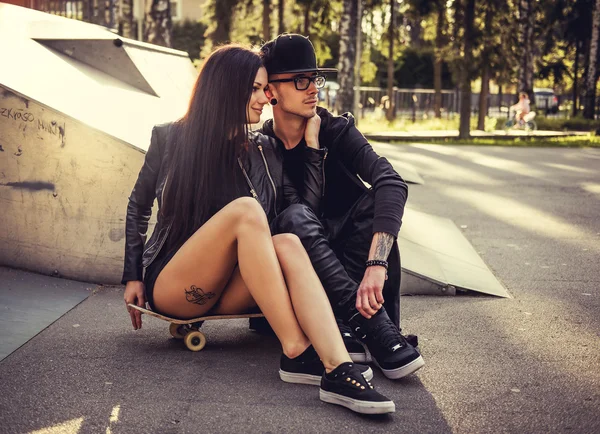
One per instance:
(204,174)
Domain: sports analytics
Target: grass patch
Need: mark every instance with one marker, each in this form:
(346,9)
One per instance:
(377,124)
(372,124)
(588,141)
(567,124)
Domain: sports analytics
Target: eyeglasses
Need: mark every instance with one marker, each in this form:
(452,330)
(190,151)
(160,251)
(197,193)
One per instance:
(302,83)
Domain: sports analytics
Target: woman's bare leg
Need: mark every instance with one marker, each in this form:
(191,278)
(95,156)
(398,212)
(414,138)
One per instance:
(311,305)
(236,298)
(194,279)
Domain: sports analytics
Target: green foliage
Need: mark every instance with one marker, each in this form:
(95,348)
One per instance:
(588,141)
(577,123)
(416,70)
(189,36)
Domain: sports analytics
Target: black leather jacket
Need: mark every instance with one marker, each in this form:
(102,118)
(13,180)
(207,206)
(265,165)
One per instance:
(263,170)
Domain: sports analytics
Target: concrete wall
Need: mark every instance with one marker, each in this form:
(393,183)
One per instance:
(63,193)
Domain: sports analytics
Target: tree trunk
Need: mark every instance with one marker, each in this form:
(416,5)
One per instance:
(126,19)
(223,14)
(500,98)
(416,39)
(307,10)
(357,77)
(590,83)
(485,73)
(391,111)
(465,91)
(526,21)
(266,20)
(280,16)
(575,72)
(157,23)
(458,18)
(345,96)
(437,64)
(483,96)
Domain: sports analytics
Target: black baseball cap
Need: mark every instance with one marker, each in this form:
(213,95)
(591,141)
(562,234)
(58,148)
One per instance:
(289,53)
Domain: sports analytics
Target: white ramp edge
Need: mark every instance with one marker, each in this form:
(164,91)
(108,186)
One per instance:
(438,260)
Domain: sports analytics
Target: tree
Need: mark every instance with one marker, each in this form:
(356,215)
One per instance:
(346,66)
(126,19)
(526,27)
(592,76)
(390,114)
(157,23)
(466,75)
(486,67)
(220,20)
(281,16)
(438,52)
(266,20)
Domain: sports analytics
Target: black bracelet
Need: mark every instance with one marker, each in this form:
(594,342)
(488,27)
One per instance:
(379,262)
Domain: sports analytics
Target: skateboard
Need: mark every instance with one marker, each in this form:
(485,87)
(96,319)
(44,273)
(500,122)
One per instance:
(187,329)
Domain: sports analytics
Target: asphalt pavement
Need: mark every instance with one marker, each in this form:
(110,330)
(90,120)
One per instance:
(526,364)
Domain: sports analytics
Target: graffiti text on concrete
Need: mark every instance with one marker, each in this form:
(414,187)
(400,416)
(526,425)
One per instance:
(16,114)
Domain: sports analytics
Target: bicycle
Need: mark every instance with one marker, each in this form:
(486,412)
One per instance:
(527,124)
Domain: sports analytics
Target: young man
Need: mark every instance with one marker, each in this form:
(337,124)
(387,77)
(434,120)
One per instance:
(351,237)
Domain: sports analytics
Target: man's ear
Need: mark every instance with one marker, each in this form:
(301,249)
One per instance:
(269,92)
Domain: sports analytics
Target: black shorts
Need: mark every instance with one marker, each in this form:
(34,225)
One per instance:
(153,270)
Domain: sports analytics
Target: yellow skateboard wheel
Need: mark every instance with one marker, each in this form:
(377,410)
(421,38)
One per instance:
(195,340)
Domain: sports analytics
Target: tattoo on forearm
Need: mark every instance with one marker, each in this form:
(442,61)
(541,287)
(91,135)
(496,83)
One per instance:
(197,295)
(384,245)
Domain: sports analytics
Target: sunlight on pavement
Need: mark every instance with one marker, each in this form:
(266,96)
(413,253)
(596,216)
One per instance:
(568,168)
(497,163)
(515,213)
(69,427)
(591,187)
(447,171)
(504,164)
(114,418)
(437,148)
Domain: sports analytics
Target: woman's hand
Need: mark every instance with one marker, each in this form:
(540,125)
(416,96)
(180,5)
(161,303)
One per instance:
(134,294)
(311,132)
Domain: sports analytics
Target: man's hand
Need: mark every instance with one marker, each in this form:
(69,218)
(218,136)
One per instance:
(134,294)
(370,292)
(311,132)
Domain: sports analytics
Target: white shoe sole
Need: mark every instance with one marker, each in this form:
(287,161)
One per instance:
(361,357)
(364,407)
(314,380)
(394,374)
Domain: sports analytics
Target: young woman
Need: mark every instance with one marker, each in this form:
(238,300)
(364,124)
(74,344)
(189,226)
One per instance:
(212,252)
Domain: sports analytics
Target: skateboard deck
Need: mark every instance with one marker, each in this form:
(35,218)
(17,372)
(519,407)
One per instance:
(187,329)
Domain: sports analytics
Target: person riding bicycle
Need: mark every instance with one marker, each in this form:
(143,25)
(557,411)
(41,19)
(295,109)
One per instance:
(521,108)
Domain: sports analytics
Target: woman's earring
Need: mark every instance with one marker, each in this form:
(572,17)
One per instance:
(273,101)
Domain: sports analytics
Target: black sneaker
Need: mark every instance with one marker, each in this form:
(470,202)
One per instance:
(355,348)
(390,350)
(347,387)
(413,340)
(307,368)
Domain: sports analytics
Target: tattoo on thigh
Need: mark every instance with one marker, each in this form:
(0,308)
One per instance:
(197,295)
(383,246)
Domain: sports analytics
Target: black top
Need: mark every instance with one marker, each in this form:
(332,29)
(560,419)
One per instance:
(351,160)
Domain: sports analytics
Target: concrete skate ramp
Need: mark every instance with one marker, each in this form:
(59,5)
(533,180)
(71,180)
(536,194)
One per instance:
(116,85)
(73,132)
(438,260)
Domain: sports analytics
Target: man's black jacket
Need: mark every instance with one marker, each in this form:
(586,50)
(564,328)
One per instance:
(350,159)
